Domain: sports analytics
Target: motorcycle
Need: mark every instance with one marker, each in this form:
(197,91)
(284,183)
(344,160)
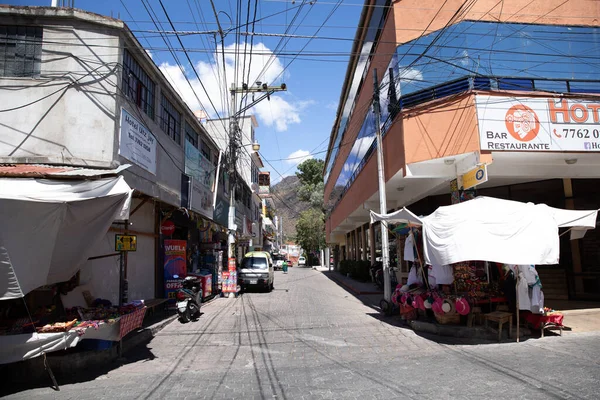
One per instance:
(189,299)
(376,271)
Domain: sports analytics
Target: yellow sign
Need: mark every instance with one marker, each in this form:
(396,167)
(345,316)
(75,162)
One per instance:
(125,242)
(475,177)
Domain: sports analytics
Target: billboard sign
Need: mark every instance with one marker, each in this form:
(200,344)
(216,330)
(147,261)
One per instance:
(538,124)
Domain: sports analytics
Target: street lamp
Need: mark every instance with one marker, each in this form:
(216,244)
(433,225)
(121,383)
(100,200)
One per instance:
(255,146)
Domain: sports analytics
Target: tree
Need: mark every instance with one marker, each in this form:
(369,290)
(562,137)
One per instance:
(311,171)
(310,230)
(311,182)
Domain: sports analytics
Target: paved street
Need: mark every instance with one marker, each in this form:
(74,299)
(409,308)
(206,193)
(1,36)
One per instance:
(311,339)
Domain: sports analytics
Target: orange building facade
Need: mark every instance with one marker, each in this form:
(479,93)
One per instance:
(512,86)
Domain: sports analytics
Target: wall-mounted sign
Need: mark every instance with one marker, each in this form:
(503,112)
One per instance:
(475,177)
(167,228)
(538,124)
(125,242)
(201,198)
(202,173)
(136,143)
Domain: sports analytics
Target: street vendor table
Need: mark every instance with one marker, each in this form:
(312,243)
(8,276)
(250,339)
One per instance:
(542,322)
(15,348)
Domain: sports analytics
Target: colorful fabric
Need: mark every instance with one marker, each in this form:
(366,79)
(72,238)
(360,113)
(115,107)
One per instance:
(131,321)
(537,320)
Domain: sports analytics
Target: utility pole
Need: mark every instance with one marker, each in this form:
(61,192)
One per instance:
(385,251)
(235,143)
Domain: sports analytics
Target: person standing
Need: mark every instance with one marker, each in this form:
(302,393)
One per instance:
(285,266)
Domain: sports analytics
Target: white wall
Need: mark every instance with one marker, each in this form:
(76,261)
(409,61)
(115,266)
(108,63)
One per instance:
(103,274)
(76,124)
(140,264)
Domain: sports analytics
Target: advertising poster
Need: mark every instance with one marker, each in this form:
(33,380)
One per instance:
(538,124)
(202,172)
(175,264)
(229,278)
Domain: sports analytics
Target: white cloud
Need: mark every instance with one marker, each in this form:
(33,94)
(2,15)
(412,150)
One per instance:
(150,54)
(464,60)
(277,112)
(408,75)
(332,106)
(298,157)
(349,167)
(361,146)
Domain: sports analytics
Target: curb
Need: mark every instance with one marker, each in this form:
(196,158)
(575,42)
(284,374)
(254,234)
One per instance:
(463,331)
(352,288)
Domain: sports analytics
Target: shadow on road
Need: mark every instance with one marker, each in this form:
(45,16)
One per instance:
(31,374)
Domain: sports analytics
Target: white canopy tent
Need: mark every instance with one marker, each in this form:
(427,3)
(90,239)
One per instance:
(491,229)
(48,227)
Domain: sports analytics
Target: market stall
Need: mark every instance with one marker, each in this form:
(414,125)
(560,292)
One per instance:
(63,221)
(483,251)
(105,324)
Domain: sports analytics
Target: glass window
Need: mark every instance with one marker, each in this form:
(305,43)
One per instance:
(506,50)
(170,119)
(20,50)
(191,135)
(205,149)
(254,263)
(137,85)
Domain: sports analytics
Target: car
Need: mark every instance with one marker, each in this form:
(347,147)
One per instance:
(301,261)
(256,270)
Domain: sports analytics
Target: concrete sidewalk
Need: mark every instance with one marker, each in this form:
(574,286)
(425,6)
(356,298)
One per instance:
(356,287)
(579,316)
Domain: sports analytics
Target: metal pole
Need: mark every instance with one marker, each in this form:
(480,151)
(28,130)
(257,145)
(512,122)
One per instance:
(121,277)
(517,298)
(232,175)
(385,251)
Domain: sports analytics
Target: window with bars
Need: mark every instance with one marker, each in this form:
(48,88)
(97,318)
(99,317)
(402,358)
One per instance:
(191,135)
(137,85)
(170,119)
(20,50)
(205,150)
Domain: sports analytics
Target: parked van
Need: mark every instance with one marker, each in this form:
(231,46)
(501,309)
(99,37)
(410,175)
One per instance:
(256,270)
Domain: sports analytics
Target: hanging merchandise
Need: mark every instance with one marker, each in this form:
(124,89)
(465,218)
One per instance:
(443,274)
(462,306)
(409,249)
(414,277)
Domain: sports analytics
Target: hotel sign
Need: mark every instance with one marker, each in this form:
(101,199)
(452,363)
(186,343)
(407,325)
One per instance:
(538,124)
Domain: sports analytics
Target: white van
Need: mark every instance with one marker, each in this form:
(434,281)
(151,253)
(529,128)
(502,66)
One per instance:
(256,270)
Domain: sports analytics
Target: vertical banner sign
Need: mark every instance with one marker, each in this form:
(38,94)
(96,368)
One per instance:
(175,264)
(202,172)
(230,278)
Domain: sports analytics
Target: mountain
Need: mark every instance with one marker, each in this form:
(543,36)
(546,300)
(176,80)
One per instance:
(287,204)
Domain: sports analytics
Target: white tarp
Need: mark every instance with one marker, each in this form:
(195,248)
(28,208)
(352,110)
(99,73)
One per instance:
(49,227)
(491,229)
(403,216)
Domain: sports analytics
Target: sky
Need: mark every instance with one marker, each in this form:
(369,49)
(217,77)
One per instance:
(294,125)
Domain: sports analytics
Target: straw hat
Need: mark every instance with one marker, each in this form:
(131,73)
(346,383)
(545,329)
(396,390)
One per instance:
(428,302)
(448,306)
(462,306)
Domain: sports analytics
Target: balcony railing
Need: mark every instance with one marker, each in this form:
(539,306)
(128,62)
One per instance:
(469,83)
